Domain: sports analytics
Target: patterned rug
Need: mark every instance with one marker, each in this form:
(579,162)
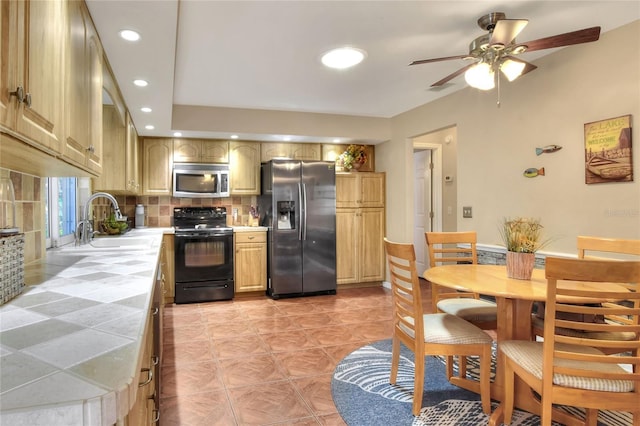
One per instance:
(363,396)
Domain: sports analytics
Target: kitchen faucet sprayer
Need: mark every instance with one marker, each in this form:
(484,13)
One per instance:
(84,231)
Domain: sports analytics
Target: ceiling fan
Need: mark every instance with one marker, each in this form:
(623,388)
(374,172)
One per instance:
(496,50)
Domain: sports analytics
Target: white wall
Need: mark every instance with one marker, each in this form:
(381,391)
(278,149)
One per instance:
(571,87)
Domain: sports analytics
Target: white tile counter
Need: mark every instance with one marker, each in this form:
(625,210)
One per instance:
(250,229)
(70,343)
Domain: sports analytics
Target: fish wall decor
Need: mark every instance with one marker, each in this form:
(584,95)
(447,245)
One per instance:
(548,149)
(533,172)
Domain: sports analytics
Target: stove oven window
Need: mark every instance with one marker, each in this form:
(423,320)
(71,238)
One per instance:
(204,253)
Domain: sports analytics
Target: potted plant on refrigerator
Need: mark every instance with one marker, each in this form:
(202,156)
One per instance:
(522,237)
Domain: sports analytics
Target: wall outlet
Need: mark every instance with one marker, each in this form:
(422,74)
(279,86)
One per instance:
(467,212)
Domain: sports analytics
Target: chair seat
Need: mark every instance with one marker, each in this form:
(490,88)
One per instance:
(538,323)
(474,310)
(529,356)
(449,329)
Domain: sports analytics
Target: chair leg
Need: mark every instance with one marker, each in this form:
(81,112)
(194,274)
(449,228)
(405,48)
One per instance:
(449,367)
(395,359)
(508,389)
(591,419)
(418,384)
(485,381)
(462,367)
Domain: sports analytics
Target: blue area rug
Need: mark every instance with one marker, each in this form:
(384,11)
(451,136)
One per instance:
(363,396)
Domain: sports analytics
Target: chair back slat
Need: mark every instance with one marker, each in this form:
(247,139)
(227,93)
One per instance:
(587,280)
(405,287)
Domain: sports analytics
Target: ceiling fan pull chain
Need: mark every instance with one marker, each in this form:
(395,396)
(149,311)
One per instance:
(497,74)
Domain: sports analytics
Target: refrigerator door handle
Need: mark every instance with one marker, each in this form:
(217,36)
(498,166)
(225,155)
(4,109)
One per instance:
(304,211)
(300,210)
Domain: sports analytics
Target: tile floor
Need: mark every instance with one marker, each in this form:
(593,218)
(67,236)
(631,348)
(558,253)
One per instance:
(257,361)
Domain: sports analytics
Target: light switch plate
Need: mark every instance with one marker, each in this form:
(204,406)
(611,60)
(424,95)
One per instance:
(467,212)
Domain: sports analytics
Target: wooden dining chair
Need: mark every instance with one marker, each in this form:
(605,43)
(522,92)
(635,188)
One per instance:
(601,249)
(430,334)
(458,247)
(569,370)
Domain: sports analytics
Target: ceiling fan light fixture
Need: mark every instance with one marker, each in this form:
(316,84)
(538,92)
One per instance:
(512,69)
(343,57)
(480,76)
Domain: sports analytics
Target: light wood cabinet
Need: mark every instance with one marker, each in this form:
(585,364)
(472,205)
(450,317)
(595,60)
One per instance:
(133,179)
(200,151)
(32,80)
(244,168)
(83,142)
(360,189)
(121,172)
(157,167)
(168,268)
(360,227)
(250,263)
(294,151)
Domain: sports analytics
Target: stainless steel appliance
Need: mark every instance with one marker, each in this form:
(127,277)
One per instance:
(298,205)
(203,254)
(194,180)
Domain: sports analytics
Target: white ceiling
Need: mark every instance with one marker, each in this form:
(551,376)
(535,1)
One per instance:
(265,55)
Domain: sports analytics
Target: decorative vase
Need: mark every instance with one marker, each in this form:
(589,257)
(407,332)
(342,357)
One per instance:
(356,166)
(520,265)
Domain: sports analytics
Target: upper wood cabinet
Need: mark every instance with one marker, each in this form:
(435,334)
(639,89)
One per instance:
(360,189)
(244,168)
(294,151)
(121,173)
(32,72)
(133,182)
(200,151)
(157,166)
(83,142)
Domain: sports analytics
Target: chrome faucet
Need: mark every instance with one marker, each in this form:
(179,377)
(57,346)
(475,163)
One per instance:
(84,230)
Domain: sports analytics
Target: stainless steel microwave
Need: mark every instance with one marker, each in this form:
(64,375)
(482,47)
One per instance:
(192,180)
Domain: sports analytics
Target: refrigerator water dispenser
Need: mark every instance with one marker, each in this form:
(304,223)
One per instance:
(286,215)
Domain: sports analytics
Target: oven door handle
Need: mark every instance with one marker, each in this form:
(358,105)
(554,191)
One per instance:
(200,235)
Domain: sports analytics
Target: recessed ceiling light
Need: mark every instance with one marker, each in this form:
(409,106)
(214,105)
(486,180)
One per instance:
(130,35)
(343,57)
(149,127)
(234,136)
(336,140)
(140,83)
(146,109)
(286,138)
(177,134)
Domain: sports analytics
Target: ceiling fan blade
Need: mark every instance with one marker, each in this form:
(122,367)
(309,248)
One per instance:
(567,39)
(507,30)
(446,58)
(452,76)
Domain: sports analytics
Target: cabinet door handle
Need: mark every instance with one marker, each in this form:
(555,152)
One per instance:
(27,100)
(149,377)
(155,359)
(18,93)
(155,311)
(251,238)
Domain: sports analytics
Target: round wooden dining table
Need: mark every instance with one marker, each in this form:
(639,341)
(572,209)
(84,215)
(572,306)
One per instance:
(514,298)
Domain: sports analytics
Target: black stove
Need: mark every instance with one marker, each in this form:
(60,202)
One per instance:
(203,254)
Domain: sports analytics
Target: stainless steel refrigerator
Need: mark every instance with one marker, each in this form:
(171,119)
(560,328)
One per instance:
(298,205)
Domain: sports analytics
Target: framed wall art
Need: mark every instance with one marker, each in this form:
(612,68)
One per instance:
(608,155)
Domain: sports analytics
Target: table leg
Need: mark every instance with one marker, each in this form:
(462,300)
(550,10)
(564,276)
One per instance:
(514,323)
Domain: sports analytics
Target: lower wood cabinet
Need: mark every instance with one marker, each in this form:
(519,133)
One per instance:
(168,268)
(360,245)
(250,263)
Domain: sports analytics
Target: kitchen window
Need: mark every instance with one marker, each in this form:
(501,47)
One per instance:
(60,210)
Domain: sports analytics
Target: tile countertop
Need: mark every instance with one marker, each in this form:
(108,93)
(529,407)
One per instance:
(250,228)
(70,343)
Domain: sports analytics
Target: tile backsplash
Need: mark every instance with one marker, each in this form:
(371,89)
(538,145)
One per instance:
(29,193)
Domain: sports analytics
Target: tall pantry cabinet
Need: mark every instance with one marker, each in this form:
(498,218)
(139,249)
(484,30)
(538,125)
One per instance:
(360,227)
